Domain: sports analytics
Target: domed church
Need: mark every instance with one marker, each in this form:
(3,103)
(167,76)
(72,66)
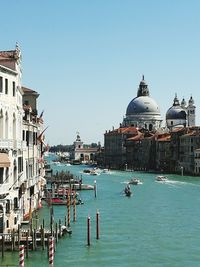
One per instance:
(181,114)
(143,111)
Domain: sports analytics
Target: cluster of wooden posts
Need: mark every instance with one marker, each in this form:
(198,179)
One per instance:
(33,238)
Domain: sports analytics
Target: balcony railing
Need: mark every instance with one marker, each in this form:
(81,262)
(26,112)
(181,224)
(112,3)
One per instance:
(12,144)
(6,143)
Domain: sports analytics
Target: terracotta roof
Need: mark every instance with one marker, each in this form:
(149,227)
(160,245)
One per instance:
(164,139)
(123,130)
(12,54)
(28,91)
(178,129)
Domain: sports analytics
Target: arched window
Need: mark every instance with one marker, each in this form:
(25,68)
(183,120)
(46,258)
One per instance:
(150,127)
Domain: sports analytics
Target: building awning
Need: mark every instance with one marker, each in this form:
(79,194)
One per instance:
(4,160)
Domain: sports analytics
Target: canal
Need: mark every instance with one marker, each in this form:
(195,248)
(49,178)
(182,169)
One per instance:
(159,225)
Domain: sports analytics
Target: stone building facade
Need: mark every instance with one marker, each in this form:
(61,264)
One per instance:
(14,178)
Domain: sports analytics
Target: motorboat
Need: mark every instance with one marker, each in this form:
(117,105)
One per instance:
(63,201)
(161,178)
(135,181)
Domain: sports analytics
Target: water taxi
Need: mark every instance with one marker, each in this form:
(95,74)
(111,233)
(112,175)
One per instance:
(135,181)
(161,178)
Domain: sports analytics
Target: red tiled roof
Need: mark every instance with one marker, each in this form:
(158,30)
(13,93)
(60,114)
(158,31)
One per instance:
(123,130)
(29,91)
(164,139)
(12,54)
(178,129)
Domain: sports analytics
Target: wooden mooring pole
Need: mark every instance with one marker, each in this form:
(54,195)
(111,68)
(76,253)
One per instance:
(2,245)
(74,206)
(68,209)
(97,225)
(27,243)
(88,230)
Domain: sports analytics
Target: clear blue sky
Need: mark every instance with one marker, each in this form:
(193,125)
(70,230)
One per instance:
(87,57)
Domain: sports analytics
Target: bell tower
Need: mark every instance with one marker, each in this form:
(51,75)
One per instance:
(191,112)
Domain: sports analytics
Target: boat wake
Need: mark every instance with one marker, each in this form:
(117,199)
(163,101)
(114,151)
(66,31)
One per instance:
(178,183)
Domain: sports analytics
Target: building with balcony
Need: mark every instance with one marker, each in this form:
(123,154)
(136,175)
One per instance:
(21,172)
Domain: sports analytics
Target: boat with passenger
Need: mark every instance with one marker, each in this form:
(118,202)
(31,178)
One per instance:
(161,178)
(127,191)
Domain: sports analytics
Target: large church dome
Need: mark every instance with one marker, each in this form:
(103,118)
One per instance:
(142,104)
(143,111)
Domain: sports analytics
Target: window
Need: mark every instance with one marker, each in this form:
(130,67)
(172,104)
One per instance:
(15,203)
(13,88)
(23,135)
(6,86)
(8,206)
(1,175)
(27,138)
(1,84)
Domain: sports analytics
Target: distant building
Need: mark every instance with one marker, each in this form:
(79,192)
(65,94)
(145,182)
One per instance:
(140,143)
(83,154)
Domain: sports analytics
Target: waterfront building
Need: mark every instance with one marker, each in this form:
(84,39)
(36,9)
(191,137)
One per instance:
(15,137)
(163,151)
(11,144)
(197,161)
(82,153)
(114,146)
(143,111)
(33,154)
(149,146)
(189,143)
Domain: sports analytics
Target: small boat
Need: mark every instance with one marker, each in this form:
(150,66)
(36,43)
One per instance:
(79,186)
(87,171)
(161,178)
(61,201)
(135,181)
(127,191)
